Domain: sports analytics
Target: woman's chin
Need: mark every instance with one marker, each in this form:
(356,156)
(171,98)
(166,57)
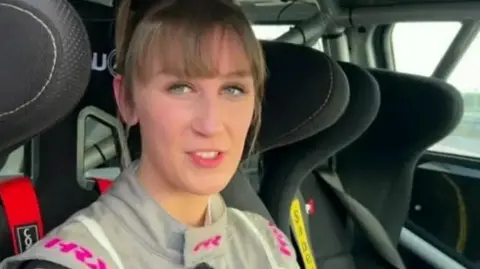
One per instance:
(208,186)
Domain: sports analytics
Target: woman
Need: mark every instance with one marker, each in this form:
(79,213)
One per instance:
(191,75)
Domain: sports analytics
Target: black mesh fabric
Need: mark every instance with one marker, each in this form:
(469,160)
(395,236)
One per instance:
(44,71)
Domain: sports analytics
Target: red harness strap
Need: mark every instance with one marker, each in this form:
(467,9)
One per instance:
(103,184)
(22,211)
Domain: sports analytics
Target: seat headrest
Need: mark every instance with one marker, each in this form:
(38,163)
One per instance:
(362,109)
(305,92)
(415,113)
(45,66)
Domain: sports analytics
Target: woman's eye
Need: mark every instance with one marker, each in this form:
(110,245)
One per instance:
(235,91)
(180,89)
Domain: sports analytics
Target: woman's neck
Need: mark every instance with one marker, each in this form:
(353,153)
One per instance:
(186,208)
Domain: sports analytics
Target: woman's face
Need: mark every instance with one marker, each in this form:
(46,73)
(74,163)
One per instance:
(194,129)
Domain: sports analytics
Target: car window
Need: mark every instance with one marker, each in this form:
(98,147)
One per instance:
(419,46)
(443,199)
(318,45)
(417,49)
(466,137)
(270,32)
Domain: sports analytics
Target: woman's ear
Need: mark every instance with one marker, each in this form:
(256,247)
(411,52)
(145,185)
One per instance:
(124,101)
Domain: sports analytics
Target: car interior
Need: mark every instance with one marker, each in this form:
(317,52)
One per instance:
(369,151)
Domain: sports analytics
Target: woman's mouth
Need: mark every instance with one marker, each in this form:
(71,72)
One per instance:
(206,159)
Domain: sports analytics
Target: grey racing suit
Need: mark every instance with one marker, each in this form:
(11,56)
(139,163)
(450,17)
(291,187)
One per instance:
(126,229)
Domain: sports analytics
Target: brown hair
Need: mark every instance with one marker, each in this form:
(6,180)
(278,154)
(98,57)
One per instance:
(162,24)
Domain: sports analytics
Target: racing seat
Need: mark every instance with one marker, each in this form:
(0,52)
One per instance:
(378,172)
(99,20)
(285,168)
(48,47)
(58,144)
(377,169)
(305,93)
(330,245)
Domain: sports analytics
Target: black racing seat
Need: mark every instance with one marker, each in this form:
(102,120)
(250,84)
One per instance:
(58,144)
(377,169)
(330,244)
(305,93)
(44,71)
(285,168)
(99,20)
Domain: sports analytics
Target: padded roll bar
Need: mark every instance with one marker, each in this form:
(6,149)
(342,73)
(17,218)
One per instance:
(311,29)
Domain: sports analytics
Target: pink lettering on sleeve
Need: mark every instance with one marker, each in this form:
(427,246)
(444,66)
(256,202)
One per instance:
(281,241)
(81,254)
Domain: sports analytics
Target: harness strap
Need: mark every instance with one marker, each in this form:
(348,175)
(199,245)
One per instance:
(22,212)
(373,229)
(103,184)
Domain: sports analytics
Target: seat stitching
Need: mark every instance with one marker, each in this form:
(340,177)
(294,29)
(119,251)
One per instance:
(329,94)
(54,64)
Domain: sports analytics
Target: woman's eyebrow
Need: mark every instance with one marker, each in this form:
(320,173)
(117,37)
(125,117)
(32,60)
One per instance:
(237,73)
(230,74)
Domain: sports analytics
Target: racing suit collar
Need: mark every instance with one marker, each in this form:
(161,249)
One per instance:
(166,236)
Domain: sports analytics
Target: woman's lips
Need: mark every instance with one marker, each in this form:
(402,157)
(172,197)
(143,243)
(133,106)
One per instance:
(206,159)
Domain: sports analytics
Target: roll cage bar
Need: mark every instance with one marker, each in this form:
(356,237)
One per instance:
(330,17)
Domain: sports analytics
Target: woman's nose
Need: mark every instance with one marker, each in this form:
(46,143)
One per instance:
(208,118)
